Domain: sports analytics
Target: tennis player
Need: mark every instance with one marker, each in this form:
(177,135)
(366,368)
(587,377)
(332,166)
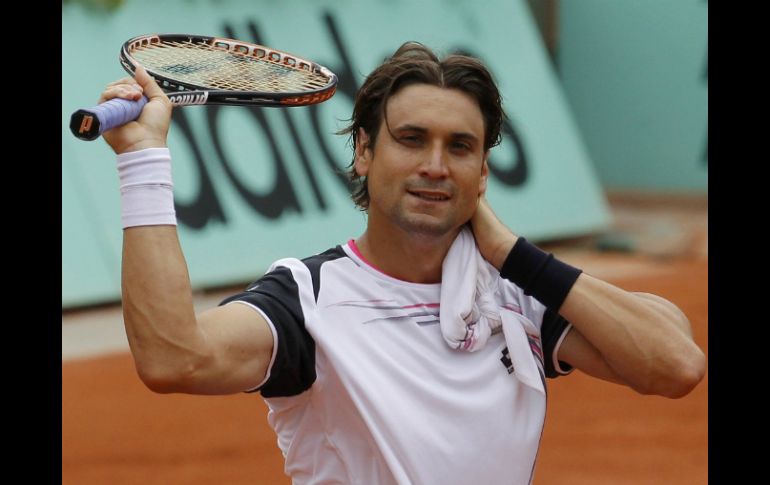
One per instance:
(417,352)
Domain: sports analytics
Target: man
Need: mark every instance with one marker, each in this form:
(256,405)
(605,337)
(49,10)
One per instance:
(353,349)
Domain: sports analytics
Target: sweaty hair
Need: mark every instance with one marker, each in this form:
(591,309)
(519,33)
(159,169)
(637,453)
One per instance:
(414,63)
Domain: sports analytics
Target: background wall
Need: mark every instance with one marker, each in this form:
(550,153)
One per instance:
(254,185)
(636,76)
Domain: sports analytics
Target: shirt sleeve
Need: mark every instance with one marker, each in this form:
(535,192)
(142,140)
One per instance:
(276,296)
(553,328)
(552,332)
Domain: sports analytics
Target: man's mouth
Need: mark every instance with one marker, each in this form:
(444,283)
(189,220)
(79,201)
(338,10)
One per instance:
(432,196)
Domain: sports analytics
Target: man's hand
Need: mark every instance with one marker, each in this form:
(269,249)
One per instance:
(494,240)
(151,129)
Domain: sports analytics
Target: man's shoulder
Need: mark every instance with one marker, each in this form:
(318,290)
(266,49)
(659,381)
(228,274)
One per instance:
(312,262)
(307,271)
(330,254)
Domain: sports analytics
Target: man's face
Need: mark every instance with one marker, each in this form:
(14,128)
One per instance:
(425,174)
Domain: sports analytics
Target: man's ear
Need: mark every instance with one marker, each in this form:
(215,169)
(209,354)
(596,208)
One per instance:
(484,174)
(363,153)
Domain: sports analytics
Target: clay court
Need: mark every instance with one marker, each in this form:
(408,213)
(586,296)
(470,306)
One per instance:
(115,431)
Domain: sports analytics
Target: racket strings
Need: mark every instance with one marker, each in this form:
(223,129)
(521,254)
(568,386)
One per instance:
(217,68)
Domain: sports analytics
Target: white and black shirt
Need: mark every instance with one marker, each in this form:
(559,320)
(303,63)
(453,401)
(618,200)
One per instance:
(363,389)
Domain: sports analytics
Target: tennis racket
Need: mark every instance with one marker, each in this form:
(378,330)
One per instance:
(198,70)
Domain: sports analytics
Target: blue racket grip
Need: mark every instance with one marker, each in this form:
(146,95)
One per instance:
(89,124)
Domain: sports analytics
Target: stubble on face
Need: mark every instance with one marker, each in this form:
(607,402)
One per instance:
(420,219)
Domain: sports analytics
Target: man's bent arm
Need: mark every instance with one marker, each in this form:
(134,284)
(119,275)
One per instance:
(223,350)
(641,340)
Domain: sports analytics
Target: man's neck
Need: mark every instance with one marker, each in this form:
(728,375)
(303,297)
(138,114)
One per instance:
(407,257)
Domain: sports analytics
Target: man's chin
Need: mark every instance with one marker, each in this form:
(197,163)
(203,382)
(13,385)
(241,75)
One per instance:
(429,226)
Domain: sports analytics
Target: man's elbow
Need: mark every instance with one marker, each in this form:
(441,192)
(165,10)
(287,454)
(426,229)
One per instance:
(165,378)
(158,384)
(680,380)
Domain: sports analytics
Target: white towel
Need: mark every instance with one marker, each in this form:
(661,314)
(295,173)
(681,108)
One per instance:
(469,313)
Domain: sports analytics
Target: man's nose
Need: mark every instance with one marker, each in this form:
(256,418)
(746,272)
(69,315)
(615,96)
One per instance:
(435,163)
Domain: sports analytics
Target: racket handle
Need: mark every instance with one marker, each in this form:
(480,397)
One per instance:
(88,124)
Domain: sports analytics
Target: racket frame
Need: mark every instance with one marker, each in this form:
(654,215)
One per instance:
(182,93)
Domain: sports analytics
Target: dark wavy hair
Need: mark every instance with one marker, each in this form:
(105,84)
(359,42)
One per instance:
(414,63)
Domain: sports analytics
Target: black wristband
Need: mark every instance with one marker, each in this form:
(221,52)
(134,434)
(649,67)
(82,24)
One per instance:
(539,274)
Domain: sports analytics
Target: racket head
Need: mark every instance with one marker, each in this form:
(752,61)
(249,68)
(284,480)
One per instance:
(230,71)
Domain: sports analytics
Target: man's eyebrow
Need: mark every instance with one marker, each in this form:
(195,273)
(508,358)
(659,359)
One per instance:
(465,135)
(410,127)
(420,129)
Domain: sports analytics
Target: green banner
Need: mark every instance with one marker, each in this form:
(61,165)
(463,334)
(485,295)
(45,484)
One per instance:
(254,185)
(636,76)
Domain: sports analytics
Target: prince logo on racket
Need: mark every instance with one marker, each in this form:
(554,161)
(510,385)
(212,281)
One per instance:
(85,125)
(188,99)
(407,397)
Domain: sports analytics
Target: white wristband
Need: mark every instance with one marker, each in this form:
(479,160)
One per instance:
(146,189)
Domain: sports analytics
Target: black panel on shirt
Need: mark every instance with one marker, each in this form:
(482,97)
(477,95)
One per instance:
(276,294)
(550,332)
(314,263)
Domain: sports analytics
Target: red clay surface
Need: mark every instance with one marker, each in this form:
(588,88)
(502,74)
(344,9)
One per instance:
(115,431)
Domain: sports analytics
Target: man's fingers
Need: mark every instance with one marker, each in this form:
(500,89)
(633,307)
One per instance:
(125,80)
(151,88)
(126,91)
